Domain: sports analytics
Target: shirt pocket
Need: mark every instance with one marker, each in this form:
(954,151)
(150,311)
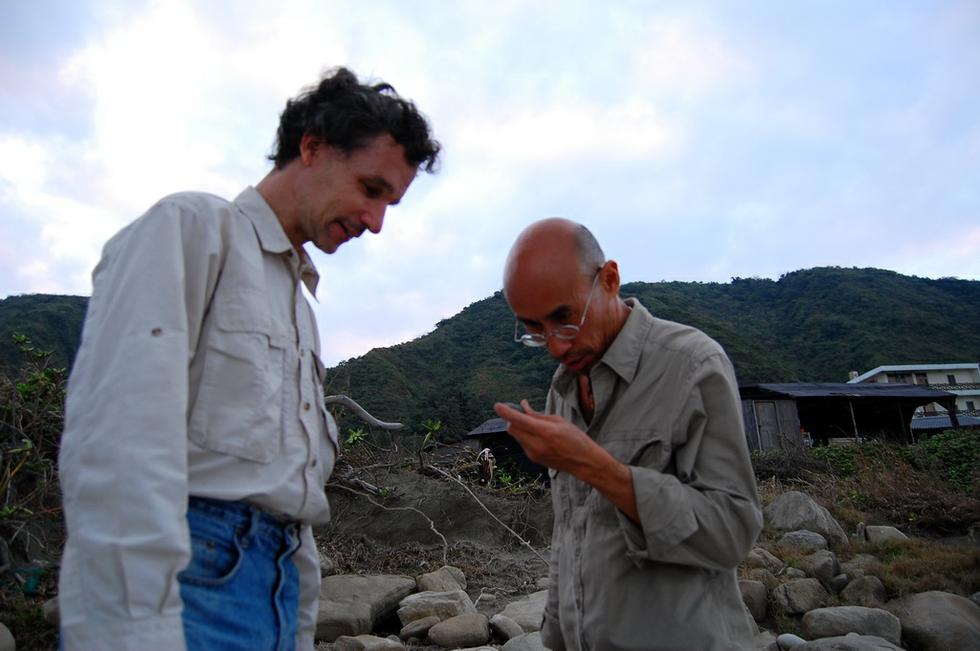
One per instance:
(239,406)
(644,448)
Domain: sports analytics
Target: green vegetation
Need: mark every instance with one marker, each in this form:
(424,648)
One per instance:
(53,323)
(812,325)
(931,487)
(31,418)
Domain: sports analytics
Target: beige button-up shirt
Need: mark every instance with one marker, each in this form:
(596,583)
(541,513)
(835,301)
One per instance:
(198,374)
(667,405)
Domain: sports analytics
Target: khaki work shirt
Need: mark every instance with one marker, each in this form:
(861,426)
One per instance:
(667,405)
(198,374)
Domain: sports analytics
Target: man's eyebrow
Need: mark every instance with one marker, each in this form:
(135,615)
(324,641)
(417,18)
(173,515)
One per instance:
(385,185)
(560,313)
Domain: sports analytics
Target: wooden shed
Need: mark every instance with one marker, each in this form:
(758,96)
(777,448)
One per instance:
(788,415)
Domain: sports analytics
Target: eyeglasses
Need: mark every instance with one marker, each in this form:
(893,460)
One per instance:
(565,332)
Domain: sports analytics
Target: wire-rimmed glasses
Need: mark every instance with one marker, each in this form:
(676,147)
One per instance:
(565,332)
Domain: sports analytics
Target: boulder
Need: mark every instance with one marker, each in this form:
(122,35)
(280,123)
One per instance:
(755,596)
(352,605)
(526,642)
(418,628)
(938,620)
(528,611)
(327,566)
(800,595)
(878,534)
(794,573)
(841,620)
(446,579)
(765,641)
(794,510)
(789,641)
(366,643)
(803,541)
(468,629)
(438,604)
(504,627)
(7,642)
(839,582)
(975,598)
(864,591)
(821,565)
(850,642)
(761,558)
(50,612)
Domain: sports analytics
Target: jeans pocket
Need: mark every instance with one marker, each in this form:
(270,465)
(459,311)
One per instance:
(215,559)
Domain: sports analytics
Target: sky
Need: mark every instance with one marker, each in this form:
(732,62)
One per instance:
(699,141)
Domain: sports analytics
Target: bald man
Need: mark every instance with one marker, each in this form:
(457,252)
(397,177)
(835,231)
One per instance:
(654,496)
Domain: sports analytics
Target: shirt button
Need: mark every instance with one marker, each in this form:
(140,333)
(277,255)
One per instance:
(313,464)
(306,406)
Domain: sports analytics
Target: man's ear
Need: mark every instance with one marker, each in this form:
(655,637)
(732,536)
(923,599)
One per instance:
(309,145)
(609,277)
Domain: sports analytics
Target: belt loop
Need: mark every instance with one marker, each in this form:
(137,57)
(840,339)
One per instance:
(253,528)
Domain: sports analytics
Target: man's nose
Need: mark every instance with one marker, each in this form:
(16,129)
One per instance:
(558,347)
(374,217)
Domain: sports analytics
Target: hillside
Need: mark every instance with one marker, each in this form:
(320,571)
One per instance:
(813,325)
(810,325)
(52,322)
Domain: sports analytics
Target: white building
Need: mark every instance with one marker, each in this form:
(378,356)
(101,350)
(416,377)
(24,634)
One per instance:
(961,379)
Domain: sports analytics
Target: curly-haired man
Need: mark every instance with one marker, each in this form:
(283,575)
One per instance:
(196,443)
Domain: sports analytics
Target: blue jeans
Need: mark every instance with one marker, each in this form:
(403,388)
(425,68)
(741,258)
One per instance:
(241,588)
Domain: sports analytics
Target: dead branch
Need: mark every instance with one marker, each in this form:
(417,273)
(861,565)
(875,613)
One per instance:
(362,413)
(489,512)
(432,525)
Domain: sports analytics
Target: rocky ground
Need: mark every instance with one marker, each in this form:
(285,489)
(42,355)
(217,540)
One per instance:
(416,538)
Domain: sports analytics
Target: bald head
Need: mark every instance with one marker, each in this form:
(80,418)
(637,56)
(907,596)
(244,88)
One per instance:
(553,246)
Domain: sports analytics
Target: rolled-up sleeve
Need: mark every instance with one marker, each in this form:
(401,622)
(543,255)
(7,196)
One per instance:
(706,513)
(123,457)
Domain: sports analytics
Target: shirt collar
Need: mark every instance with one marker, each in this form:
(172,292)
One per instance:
(623,355)
(272,238)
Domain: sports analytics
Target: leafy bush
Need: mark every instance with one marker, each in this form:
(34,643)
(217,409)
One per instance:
(839,458)
(31,419)
(958,452)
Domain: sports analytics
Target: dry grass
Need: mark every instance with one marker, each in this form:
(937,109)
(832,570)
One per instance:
(918,565)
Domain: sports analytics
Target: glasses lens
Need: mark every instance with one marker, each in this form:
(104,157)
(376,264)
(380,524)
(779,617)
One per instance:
(566,332)
(533,340)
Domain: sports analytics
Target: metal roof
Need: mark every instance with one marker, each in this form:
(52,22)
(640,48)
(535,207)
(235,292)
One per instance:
(843,390)
(491,426)
(914,367)
(942,422)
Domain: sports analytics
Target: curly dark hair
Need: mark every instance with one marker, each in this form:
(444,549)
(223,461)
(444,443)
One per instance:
(347,114)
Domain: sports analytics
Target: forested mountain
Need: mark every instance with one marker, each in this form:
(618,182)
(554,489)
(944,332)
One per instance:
(52,322)
(810,325)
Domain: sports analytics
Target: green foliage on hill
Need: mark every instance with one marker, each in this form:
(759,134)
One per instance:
(811,325)
(52,322)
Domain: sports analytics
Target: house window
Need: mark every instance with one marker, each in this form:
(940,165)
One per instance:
(920,378)
(970,406)
(930,409)
(899,378)
(951,379)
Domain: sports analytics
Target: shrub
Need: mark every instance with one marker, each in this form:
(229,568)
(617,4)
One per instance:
(31,420)
(958,452)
